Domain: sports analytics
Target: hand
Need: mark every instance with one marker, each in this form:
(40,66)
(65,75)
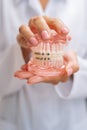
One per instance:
(72,66)
(45,27)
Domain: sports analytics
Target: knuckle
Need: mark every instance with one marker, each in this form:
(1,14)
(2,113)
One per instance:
(60,22)
(53,21)
(21,28)
(19,38)
(22,41)
(35,19)
(30,21)
(76,67)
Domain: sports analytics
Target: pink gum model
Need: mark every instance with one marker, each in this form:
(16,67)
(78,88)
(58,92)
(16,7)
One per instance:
(47,58)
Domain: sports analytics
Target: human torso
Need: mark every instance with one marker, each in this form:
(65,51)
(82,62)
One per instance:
(38,107)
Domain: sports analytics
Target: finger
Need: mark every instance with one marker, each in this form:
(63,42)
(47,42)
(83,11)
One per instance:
(32,26)
(52,79)
(23,74)
(69,71)
(72,61)
(64,79)
(23,42)
(24,67)
(42,28)
(35,79)
(28,34)
(68,37)
(57,25)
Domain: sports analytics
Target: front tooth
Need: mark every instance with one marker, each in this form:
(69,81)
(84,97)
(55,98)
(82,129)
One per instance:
(46,54)
(53,55)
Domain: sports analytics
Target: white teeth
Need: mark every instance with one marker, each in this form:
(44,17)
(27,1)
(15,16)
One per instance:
(46,54)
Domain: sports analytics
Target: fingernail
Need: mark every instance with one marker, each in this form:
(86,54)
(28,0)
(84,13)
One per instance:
(70,71)
(33,41)
(65,30)
(45,35)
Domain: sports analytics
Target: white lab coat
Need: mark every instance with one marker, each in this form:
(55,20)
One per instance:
(42,106)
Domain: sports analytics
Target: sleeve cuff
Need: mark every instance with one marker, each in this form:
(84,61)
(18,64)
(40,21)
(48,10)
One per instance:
(76,87)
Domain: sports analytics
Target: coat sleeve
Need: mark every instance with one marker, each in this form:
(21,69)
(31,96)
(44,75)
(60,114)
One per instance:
(75,87)
(10,62)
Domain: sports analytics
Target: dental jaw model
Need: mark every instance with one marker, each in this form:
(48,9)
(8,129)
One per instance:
(47,58)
